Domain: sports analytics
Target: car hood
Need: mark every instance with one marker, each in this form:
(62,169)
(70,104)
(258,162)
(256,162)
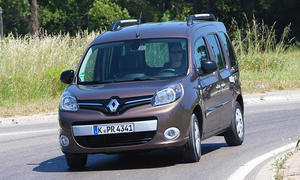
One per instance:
(119,89)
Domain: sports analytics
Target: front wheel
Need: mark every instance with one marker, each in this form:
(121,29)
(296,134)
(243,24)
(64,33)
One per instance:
(192,149)
(235,135)
(76,161)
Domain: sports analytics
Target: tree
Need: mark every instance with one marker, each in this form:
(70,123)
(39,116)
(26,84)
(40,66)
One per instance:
(104,12)
(34,24)
(15,16)
(210,6)
(65,16)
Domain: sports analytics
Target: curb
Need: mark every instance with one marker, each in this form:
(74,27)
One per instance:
(270,97)
(243,171)
(266,172)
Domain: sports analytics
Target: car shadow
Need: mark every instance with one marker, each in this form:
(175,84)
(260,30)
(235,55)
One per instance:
(125,161)
(209,147)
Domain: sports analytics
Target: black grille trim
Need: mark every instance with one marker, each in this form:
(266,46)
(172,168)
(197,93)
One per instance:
(122,107)
(108,121)
(112,140)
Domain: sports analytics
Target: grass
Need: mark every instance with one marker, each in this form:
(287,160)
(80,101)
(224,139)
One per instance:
(264,61)
(39,106)
(30,69)
(30,66)
(285,78)
(257,47)
(279,165)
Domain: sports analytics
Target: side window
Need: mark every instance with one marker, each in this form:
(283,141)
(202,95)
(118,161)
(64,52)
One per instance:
(216,49)
(200,52)
(228,48)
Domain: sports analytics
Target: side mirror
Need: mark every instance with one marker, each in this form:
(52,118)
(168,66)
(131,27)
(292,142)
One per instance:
(67,76)
(208,66)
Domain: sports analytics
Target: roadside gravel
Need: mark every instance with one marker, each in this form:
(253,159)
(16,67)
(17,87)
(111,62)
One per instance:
(37,118)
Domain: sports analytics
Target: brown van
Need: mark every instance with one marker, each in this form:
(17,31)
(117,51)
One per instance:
(150,86)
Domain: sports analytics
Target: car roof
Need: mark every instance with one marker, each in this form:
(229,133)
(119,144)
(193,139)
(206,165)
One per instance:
(170,29)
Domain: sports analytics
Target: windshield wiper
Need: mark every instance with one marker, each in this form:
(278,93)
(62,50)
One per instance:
(94,82)
(114,81)
(136,79)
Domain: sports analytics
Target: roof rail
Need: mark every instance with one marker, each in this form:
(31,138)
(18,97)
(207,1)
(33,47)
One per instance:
(116,24)
(205,17)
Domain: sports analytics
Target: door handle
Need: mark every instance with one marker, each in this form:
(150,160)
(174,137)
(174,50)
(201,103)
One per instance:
(218,87)
(223,85)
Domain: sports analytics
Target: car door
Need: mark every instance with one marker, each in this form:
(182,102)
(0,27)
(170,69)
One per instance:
(210,88)
(223,84)
(228,76)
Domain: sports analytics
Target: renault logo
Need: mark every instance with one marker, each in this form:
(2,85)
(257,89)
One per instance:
(113,105)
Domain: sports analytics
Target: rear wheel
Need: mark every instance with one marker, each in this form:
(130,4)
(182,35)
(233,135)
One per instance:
(76,161)
(192,149)
(235,135)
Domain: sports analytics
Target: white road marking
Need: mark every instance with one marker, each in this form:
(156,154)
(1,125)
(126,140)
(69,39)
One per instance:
(245,169)
(28,132)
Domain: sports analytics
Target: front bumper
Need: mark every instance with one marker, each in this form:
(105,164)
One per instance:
(149,121)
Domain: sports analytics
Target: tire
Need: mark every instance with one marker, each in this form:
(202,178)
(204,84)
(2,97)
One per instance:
(76,161)
(235,135)
(192,149)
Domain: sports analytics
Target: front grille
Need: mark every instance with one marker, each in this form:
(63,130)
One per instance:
(124,104)
(111,140)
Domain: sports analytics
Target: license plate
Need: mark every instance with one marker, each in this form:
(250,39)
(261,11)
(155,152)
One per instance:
(113,128)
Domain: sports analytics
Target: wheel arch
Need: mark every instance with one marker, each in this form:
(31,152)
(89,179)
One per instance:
(240,100)
(198,112)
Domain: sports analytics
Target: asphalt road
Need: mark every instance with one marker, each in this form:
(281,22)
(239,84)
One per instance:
(25,155)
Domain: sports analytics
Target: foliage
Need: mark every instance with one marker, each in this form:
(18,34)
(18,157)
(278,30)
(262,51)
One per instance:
(15,14)
(177,14)
(72,16)
(104,12)
(69,16)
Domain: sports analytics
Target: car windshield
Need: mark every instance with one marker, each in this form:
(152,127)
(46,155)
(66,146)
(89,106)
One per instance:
(134,60)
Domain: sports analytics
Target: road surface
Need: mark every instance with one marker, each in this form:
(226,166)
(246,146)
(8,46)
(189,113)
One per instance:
(31,151)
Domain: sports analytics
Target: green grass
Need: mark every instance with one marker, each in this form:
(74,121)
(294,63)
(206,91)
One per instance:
(30,67)
(283,78)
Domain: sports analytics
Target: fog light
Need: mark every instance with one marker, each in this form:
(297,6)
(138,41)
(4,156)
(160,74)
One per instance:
(64,140)
(172,133)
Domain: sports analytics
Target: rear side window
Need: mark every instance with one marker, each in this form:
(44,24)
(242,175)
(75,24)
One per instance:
(216,49)
(200,52)
(228,48)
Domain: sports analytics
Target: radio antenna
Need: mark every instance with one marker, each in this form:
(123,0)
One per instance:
(138,30)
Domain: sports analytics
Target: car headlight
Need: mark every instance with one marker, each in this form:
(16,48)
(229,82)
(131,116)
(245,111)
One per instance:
(68,102)
(167,95)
